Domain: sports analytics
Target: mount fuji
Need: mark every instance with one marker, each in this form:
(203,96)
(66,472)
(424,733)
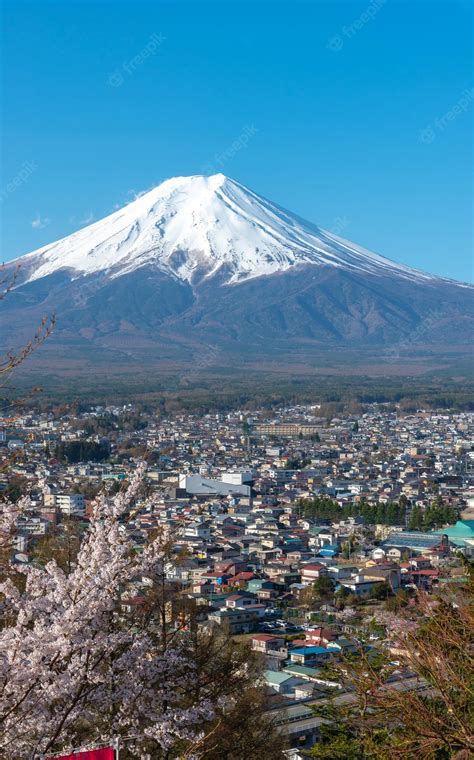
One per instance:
(203,266)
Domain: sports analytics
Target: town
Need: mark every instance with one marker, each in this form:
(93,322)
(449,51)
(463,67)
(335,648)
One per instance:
(295,532)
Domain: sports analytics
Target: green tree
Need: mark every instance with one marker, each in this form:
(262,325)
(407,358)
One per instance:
(416,518)
(392,514)
(437,514)
(337,742)
(401,519)
(324,587)
(380,591)
(396,602)
(82,451)
(321,507)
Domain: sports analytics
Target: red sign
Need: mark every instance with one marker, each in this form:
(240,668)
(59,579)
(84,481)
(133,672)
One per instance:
(106,753)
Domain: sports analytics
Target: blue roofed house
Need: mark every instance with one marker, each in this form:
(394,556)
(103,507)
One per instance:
(312,655)
(329,551)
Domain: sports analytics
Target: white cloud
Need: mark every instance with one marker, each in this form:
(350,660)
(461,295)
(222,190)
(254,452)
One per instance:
(39,222)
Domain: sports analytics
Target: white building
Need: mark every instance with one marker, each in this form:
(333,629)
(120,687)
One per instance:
(197,485)
(68,503)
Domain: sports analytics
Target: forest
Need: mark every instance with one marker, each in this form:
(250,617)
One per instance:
(434,516)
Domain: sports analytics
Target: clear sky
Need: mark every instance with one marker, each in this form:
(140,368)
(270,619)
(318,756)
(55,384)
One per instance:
(355,115)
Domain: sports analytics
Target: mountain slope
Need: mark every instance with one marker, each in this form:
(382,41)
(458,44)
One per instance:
(191,227)
(203,263)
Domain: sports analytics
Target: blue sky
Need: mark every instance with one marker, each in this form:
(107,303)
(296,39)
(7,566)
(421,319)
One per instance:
(355,115)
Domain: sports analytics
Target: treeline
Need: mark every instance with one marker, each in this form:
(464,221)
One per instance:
(73,452)
(434,516)
(325,508)
(221,393)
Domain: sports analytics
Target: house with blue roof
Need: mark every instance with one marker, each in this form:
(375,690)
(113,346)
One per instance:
(329,551)
(309,656)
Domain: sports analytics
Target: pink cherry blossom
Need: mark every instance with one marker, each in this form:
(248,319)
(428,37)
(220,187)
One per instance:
(72,665)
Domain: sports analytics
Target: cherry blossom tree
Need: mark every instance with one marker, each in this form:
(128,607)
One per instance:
(73,666)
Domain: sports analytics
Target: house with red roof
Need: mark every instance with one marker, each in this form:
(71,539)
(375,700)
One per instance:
(312,571)
(320,636)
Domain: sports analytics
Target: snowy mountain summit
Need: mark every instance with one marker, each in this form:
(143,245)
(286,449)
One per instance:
(201,270)
(193,228)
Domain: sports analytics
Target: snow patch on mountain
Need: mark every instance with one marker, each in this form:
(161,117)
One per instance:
(194,227)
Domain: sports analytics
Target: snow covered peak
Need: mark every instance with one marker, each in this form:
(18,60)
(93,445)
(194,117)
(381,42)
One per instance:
(194,227)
